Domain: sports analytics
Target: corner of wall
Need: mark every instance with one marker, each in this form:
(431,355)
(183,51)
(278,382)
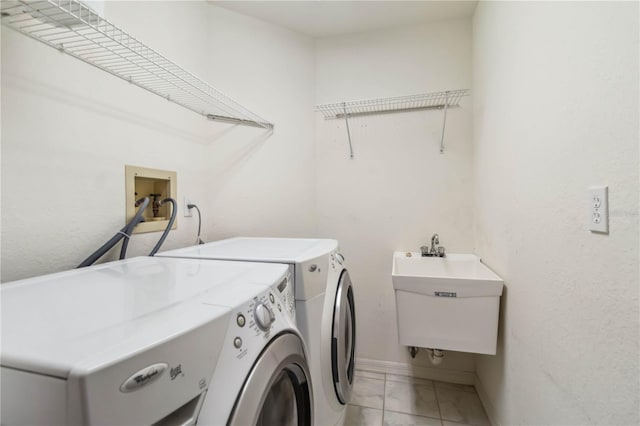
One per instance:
(486,402)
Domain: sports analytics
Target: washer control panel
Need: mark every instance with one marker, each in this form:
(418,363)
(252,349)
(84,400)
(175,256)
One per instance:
(262,317)
(251,325)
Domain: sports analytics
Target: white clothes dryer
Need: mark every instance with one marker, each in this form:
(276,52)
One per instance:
(324,303)
(141,341)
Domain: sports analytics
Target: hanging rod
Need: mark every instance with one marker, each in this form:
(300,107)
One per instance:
(232,120)
(428,101)
(75,29)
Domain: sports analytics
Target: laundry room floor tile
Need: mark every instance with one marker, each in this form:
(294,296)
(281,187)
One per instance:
(393,400)
(411,397)
(408,379)
(454,386)
(361,416)
(367,392)
(391,418)
(461,406)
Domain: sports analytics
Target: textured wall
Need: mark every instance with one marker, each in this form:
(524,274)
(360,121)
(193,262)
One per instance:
(68,130)
(257,186)
(398,190)
(556,111)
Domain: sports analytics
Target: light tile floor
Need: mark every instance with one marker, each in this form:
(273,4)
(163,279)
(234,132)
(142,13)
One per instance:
(390,400)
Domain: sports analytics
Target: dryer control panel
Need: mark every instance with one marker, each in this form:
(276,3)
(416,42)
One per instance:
(337,259)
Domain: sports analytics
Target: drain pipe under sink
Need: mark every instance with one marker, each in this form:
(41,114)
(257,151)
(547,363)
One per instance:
(435,355)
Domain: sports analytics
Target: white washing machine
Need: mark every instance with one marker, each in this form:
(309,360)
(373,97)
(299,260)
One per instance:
(153,341)
(325,308)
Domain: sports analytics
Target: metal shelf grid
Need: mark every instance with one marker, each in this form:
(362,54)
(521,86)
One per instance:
(73,28)
(436,100)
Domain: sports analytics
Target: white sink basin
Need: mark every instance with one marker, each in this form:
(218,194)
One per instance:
(462,274)
(447,303)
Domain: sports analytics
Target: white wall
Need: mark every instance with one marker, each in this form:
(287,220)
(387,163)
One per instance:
(398,190)
(258,186)
(556,111)
(68,130)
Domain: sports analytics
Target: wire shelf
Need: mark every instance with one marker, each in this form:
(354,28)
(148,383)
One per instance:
(436,100)
(72,27)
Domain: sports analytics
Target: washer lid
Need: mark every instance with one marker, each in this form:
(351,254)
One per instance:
(54,323)
(282,250)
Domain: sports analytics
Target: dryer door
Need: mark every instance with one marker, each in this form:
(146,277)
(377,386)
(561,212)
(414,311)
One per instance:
(278,389)
(343,342)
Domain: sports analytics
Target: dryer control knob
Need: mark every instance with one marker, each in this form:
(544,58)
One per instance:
(264,316)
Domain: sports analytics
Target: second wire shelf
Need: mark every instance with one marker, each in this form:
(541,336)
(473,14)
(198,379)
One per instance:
(437,100)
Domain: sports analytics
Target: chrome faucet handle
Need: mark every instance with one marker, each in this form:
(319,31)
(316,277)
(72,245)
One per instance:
(424,251)
(441,251)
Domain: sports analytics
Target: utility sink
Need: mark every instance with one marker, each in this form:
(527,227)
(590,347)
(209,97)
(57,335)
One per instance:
(461,274)
(447,302)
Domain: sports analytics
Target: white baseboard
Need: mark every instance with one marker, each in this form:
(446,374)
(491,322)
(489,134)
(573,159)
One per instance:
(486,402)
(440,374)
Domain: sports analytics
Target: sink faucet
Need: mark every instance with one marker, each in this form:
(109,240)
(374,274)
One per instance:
(434,240)
(433,251)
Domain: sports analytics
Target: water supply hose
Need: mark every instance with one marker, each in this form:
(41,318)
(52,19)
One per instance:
(136,219)
(172,219)
(124,232)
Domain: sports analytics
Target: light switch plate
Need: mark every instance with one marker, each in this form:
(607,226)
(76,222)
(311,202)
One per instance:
(599,209)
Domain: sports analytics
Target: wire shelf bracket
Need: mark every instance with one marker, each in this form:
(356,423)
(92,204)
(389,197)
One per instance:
(75,29)
(429,101)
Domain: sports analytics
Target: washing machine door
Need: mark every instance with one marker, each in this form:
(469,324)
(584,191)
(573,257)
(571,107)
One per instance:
(278,389)
(343,343)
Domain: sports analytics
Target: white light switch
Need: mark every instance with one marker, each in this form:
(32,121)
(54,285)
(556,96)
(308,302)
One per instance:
(599,209)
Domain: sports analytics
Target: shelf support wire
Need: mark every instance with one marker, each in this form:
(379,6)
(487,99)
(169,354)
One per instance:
(346,122)
(444,122)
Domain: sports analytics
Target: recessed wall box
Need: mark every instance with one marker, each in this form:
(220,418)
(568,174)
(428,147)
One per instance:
(157,185)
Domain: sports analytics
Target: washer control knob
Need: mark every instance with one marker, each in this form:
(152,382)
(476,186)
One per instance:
(264,316)
(273,299)
(339,258)
(237,342)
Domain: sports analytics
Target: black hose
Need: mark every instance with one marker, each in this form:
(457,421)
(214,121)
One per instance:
(174,211)
(117,237)
(136,219)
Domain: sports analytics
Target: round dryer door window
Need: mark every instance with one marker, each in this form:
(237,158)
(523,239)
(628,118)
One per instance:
(343,343)
(277,390)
